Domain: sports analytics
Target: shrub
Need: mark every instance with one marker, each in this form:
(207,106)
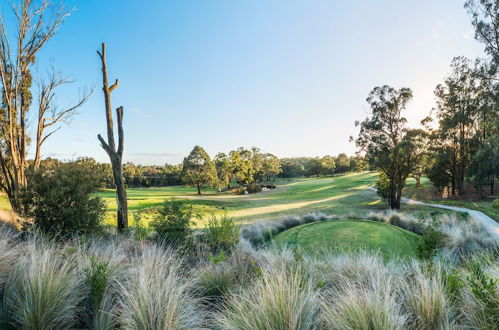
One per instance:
(481,294)
(140,232)
(173,224)
(280,300)
(60,200)
(495,204)
(43,291)
(158,295)
(97,278)
(429,244)
(222,233)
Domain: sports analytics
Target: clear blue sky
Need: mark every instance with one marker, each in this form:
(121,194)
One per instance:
(290,77)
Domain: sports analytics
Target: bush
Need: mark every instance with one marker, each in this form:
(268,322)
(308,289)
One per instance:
(173,224)
(431,240)
(222,233)
(97,278)
(481,297)
(495,204)
(60,200)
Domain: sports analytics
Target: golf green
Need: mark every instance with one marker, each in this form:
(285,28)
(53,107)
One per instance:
(351,235)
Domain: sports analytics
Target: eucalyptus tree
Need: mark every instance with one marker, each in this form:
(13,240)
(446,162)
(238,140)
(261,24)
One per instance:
(198,169)
(224,168)
(36,23)
(387,143)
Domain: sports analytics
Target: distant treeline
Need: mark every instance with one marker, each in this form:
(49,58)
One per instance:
(241,166)
(317,166)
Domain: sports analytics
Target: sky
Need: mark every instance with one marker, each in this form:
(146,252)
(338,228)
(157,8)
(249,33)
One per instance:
(288,76)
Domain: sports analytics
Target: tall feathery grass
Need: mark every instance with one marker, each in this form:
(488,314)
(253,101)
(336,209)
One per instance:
(157,296)
(120,282)
(424,298)
(43,290)
(282,299)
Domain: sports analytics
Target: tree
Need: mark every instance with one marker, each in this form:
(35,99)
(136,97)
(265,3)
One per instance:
(384,140)
(342,163)
(242,165)
(198,169)
(485,20)
(457,111)
(486,165)
(49,113)
(37,23)
(328,165)
(115,154)
(271,166)
(257,165)
(225,173)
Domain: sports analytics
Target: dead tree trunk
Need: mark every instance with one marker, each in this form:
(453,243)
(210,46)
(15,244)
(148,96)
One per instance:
(115,155)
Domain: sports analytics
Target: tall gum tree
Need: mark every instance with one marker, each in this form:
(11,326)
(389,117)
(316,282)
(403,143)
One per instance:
(387,143)
(36,23)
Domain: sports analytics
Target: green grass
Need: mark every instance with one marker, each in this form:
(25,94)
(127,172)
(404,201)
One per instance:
(340,195)
(351,235)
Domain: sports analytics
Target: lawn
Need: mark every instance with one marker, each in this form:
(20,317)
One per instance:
(341,194)
(351,235)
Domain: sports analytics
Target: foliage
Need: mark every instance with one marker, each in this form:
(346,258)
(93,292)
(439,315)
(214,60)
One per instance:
(97,278)
(60,200)
(429,244)
(140,231)
(387,143)
(222,233)
(198,169)
(173,224)
(484,288)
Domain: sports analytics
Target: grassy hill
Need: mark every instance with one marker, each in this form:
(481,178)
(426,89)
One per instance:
(351,235)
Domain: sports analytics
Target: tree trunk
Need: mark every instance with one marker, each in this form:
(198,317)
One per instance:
(418,181)
(492,185)
(199,189)
(115,155)
(121,196)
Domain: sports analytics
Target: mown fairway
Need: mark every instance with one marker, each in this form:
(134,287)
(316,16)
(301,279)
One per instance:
(351,235)
(342,194)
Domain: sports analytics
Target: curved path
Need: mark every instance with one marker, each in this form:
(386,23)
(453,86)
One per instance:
(480,217)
